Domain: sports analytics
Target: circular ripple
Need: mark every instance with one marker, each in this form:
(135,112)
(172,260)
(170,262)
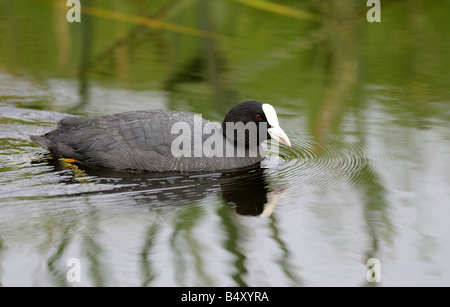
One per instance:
(336,160)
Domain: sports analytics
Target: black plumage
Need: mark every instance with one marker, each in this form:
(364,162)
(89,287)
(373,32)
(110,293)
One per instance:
(144,140)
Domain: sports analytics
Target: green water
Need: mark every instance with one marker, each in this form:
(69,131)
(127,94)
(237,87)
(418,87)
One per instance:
(365,105)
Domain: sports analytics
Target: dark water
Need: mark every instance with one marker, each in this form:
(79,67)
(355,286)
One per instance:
(365,105)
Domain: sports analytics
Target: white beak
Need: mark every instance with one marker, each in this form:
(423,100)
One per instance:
(278,134)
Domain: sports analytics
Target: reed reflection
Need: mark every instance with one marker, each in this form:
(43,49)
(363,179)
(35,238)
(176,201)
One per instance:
(182,196)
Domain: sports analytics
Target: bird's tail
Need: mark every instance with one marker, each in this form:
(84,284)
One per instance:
(41,140)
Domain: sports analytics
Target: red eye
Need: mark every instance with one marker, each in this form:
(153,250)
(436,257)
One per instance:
(258,117)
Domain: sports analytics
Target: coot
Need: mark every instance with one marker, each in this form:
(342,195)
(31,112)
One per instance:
(164,140)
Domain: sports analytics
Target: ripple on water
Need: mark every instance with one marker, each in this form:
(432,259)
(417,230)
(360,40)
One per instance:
(338,160)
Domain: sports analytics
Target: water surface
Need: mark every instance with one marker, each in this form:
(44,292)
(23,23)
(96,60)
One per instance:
(365,105)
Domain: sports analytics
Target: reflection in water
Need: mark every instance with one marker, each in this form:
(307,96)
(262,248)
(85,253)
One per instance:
(348,165)
(376,215)
(341,57)
(182,201)
(85,54)
(343,27)
(1,258)
(186,245)
(246,192)
(148,272)
(54,264)
(64,235)
(205,68)
(231,244)
(285,261)
(360,89)
(92,249)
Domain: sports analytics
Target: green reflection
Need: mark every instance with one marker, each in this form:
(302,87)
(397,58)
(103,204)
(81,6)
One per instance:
(92,248)
(285,261)
(148,272)
(324,73)
(2,247)
(187,249)
(306,66)
(232,244)
(60,238)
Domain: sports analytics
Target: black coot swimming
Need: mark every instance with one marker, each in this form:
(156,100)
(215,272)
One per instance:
(164,140)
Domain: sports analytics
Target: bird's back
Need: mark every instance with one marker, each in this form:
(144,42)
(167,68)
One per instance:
(139,140)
